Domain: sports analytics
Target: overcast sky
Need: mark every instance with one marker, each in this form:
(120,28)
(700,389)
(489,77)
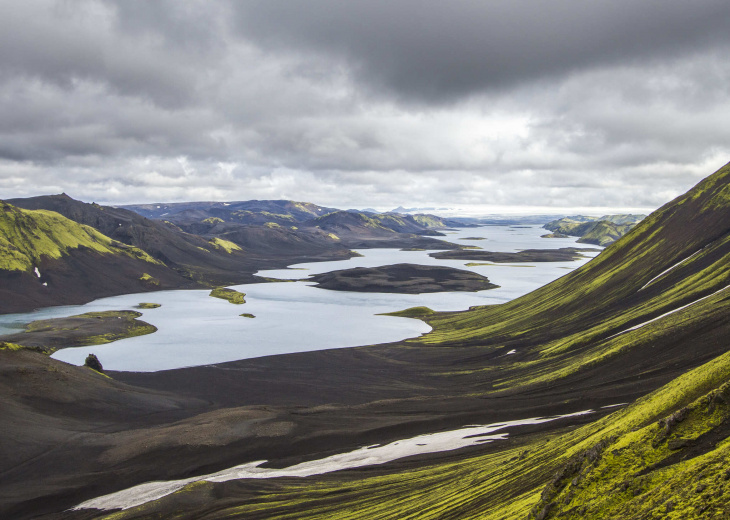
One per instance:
(515,104)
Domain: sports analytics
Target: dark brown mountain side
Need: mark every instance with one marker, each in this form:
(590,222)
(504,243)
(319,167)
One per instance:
(564,254)
(402,278)
(47,259)
(205,260)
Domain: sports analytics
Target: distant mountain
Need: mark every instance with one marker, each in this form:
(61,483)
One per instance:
(298,224)
(601,231)
(244,212)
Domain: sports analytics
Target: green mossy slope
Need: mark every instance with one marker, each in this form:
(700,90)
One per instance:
(28,236)
(663,456)
(620,288)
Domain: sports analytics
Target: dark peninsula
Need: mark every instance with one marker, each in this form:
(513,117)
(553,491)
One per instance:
(564,254)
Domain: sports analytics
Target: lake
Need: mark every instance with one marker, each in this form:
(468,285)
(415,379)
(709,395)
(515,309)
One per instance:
(195,329)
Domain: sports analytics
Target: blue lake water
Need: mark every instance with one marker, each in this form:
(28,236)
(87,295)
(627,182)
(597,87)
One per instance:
(195,329)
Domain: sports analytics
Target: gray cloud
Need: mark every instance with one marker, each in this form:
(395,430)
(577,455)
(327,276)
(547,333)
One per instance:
(521,103)
(439,51)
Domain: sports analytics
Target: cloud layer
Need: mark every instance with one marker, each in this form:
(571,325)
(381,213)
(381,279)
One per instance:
(520,103)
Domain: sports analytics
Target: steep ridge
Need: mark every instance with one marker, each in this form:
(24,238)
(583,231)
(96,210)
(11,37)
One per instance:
(47,259)
(612,292)
(191,256)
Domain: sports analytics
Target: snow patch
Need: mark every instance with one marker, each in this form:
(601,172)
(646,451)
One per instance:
(667,313)
(365,456)
(37,272)
(513,351)
(45,284)
(667,270)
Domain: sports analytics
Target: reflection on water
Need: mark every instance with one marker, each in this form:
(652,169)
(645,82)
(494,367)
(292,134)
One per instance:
(195,329)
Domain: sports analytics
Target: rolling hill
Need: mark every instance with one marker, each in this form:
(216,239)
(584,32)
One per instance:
(601,231)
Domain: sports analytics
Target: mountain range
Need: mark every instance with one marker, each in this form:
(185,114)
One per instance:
(199,244)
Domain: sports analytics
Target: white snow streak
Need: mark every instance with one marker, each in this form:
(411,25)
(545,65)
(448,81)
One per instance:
(667,270)
(366,456)
(667,313)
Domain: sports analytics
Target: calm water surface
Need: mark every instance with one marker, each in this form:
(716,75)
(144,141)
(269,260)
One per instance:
(195,329)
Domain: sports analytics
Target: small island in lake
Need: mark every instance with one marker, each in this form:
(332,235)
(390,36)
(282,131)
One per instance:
(403,278)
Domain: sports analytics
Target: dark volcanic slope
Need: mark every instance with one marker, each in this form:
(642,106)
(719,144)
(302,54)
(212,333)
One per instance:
(192,256)
(47,259)
(564,254)
(647,310)
(403,278)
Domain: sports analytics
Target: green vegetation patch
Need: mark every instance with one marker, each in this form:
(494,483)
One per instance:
(228,246)
(247,315)
(148,279)
(91,328)
(28,236)
(412,312)
(429,221)
(230,295)
(213,220)
(146,305)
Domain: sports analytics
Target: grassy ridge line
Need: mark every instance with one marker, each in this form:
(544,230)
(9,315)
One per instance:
(589,294)
(27,236)
(511,483)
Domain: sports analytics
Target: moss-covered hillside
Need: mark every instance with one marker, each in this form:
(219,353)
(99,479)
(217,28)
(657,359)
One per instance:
(27,237)
(47,259)
(601,231)
(664,456)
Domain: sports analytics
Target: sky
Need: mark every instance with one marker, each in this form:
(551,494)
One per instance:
(510,106)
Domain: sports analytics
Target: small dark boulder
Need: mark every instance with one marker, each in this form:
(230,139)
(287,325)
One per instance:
(93,362)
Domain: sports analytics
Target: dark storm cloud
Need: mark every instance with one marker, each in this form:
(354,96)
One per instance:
(441,51)
(519,103)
